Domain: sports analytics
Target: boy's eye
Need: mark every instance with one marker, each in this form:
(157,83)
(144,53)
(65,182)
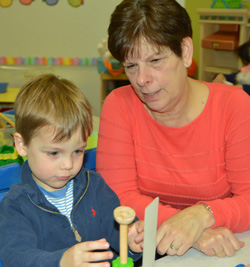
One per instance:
(53,153)
(79,151)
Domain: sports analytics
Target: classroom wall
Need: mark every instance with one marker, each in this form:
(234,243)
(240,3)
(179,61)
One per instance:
(40,30)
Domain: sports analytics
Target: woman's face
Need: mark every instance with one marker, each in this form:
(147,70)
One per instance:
(158,78)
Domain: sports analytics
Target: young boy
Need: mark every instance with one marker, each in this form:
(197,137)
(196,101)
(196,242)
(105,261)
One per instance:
(60,214)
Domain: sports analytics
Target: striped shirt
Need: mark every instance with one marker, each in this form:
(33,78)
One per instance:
(62,199)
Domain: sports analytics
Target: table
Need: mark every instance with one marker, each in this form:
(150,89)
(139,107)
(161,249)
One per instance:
(10,96)
(196,258)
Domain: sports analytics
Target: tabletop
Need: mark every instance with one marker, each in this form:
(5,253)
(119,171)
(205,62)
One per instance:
(9,96)
(196,258)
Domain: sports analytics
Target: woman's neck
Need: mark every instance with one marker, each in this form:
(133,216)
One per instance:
(188,109)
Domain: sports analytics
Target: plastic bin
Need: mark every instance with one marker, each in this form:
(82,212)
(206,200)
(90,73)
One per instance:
(226,4)
(6,134)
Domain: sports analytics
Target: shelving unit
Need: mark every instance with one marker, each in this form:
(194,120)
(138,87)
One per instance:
(214,61)
(110,82)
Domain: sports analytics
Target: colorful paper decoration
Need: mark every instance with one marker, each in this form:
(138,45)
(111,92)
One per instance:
(60,61)
(51,2)
(75,3)
(26,2)
(5,3)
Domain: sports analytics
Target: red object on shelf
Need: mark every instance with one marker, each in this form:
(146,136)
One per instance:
(227,38)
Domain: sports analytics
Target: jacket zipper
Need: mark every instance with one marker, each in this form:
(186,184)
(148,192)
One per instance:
(77,235)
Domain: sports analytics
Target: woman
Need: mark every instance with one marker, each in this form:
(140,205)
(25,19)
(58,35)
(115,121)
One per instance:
(170,136)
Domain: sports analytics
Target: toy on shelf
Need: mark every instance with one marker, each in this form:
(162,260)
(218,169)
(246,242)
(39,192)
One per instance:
(124,216)
(106,63)
(103,50)
(7,129)
(226,4)
(2,116)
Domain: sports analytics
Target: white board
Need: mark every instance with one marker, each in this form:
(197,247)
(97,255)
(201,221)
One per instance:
(150,230)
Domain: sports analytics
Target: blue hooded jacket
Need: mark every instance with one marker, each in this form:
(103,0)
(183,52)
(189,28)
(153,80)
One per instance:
(34,233)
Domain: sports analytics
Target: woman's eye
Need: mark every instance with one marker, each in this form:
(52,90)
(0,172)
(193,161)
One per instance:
(155,60)
(129,66)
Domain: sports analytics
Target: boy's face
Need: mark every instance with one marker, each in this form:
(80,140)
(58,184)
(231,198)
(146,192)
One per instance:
(53,164)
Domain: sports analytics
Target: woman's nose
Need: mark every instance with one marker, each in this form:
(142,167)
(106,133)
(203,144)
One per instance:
(143,77)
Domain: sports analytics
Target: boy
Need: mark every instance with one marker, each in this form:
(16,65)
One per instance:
(60,214)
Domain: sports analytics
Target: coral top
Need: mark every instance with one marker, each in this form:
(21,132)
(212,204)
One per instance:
(207,160)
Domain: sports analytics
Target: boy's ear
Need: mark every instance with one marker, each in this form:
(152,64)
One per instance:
(187,51)
(20,146)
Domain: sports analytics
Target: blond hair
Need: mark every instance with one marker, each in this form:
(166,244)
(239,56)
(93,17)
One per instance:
(47,100)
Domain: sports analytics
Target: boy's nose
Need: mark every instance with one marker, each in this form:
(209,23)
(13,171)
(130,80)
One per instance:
(67,164)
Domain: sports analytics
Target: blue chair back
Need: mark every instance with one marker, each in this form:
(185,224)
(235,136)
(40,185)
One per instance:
(9,174)
(89,161)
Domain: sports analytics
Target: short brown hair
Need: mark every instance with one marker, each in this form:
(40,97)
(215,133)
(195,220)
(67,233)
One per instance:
(47,100)
(161,22)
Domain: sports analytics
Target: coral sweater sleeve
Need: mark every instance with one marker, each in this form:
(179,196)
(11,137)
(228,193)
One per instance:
(207,160)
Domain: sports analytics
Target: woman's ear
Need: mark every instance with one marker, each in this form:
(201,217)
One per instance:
(19,144)
(187,51)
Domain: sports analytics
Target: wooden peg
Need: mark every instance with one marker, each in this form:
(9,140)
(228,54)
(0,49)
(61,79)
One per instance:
(7,119)
(124,216)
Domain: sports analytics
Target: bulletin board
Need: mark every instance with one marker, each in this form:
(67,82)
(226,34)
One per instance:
(61,31)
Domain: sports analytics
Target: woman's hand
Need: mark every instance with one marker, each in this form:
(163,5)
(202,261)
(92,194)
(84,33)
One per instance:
(218,242)
(84,254)
(136,236)
(179,232)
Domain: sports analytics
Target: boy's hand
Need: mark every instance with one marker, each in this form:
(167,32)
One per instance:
(135,236)
(84,254)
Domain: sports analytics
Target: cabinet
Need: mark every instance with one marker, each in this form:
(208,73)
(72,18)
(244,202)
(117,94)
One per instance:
(110,82)
(214,61)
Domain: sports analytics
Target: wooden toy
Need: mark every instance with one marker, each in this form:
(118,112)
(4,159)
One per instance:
(124,216)
(2,116)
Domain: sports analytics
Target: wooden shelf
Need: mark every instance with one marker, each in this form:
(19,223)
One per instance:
(213,61)
(110,82)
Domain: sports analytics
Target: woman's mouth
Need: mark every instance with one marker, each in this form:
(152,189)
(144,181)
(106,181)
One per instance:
(152,95)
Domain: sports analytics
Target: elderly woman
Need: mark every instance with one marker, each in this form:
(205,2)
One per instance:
(169,136)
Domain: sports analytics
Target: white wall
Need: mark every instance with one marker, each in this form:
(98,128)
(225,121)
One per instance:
(39,30)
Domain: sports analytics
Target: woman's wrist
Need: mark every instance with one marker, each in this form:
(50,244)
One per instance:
(207,207)
(210,218)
